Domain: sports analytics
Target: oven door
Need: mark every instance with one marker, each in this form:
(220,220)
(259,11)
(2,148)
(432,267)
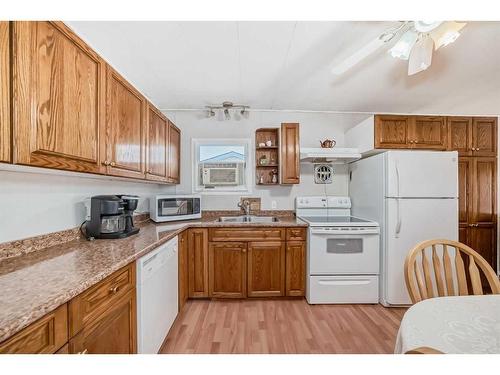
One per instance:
(337,251)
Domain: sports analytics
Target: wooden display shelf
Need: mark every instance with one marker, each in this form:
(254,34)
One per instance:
(270,153)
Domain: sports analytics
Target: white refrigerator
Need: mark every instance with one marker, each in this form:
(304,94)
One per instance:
(413,195)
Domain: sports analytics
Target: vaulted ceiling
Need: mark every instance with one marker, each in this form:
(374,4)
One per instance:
(287,65)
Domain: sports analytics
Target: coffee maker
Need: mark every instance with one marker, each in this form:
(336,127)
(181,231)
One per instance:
(111,216)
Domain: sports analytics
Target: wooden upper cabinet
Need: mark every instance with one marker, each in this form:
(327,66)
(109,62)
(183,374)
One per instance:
(156,145)
(45,336)
(266,269)
(58,88)
(198,262)
(428,132)
(392,131)
(295,282)
(174,154)
(290,153)
(227,269)
(460,135)
(5,132)
(125,128)
(484,136)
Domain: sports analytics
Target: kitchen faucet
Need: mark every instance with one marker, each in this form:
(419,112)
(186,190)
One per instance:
(245,205)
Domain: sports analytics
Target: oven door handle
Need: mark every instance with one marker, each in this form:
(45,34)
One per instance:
(337,232)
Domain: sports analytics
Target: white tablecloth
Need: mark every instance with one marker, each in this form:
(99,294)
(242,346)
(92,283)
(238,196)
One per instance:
(467,324)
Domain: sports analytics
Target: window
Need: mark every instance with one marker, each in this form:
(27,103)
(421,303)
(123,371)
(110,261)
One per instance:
(221,165)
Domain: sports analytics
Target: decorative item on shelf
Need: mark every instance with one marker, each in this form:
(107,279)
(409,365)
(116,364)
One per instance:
(274,178)
(273,160)
(262,144)
(263,160)
(261,178)
(327,143)
(269,143)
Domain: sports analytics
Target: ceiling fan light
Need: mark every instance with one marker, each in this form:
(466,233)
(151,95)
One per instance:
(447,33)
(402,48)
(420,56)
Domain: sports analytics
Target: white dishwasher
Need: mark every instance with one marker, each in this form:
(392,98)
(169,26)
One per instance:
(157,296)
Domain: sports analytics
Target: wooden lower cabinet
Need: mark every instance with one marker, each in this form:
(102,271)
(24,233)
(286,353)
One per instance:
(114,332)
(227,269)
(198,262)
(295,279)
(45,336)
(266,269)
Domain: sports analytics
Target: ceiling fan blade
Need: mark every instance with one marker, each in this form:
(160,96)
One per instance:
(358,56)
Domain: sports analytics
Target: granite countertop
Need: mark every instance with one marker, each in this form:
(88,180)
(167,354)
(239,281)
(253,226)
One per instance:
(34,284)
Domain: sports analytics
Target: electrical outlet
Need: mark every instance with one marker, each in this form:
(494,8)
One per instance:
(274,205)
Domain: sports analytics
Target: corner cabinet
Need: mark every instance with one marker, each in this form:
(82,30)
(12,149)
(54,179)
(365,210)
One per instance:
(125,128)
(58,98)
(174,154)
(5,130)
(290,153)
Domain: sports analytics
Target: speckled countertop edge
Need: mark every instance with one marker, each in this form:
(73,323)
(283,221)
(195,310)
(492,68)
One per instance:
(26,280)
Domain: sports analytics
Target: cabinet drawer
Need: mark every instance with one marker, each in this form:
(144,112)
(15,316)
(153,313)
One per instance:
(46,335)
(94,301)
(296,234)
(246,234)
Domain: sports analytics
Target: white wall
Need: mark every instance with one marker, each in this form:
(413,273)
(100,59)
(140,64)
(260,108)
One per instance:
(313,127)
(34,203)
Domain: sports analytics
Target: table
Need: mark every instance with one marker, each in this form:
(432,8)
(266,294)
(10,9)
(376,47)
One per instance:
(465,324)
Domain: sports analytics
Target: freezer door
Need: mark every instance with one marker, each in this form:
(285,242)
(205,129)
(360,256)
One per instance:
(422,174)
(410,221)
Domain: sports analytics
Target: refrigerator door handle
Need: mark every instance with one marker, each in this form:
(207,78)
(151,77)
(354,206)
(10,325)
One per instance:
(398,222)
(397,178)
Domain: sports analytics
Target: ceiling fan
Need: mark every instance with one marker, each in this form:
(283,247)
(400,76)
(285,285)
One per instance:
(414,41)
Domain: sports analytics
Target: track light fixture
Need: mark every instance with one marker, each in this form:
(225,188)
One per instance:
(226,108)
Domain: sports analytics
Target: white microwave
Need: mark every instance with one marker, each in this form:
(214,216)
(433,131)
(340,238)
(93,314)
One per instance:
(174,207)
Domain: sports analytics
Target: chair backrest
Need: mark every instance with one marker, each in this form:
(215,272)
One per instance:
(420,277)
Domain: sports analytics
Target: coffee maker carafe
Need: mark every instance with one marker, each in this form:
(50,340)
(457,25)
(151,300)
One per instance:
(111,217)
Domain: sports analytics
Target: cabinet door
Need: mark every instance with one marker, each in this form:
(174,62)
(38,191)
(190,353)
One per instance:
(266,269)
(198,262)
(484,136)
(58,88)
(46,335)
(156,149)
(183,270)
(5,135)
(428,133)
(290,154)
(484,190)
(465,170)
(295,268)
(392,131)
(174,154)
(227,269)
(114,332)
(460,135)
(483,240)
(125,128)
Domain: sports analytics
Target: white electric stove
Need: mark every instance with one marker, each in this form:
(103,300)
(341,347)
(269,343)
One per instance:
(343,252)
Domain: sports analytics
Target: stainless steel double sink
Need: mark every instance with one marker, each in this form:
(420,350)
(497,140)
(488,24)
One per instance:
(248,219)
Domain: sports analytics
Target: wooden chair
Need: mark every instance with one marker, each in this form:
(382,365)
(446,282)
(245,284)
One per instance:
(424,350)
(419,279)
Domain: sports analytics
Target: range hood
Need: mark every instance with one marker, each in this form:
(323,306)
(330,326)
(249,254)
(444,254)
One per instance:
(329,155)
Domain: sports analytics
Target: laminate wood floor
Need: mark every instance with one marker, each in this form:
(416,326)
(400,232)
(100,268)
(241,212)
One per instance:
(282,326)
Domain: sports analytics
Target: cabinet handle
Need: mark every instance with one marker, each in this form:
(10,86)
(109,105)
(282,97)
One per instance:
(112,164)
(83,352)
(477,149)
(114,289)
(243,250)
(415,141)
(105,162)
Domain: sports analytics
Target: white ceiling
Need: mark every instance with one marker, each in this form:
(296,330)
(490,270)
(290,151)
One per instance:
(286,65)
